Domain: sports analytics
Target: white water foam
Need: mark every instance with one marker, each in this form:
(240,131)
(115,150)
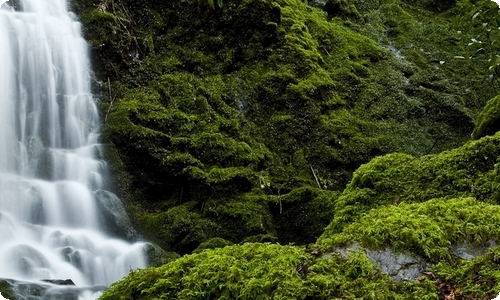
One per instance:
(49,172)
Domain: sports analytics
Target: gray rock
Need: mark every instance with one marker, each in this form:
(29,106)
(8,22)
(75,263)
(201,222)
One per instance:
(156,256)
(53,290)
(114,217)
(469,251)
(59,281)
(317,3)
(399,266)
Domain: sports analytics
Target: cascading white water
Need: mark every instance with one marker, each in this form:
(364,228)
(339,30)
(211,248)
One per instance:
(49,172)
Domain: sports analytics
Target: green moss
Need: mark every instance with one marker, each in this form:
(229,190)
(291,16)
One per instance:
(156,256)
(474,279)
(231,117)
(6,290)
(225,273)
(263,271)
(466,171)
(488,122)
(213,244)
(301,215)
(427,229)
(181,228)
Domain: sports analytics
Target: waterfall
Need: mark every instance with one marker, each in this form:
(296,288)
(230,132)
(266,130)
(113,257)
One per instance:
(50,168)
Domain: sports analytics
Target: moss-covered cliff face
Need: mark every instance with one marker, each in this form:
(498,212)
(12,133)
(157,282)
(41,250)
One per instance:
(245,122)
(271,120)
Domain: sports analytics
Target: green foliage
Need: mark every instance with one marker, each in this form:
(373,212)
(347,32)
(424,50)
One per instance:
(243,121)
(251,271)
(482,21)
(475,279)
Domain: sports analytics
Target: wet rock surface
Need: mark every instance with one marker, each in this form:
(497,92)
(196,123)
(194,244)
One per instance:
(114,216)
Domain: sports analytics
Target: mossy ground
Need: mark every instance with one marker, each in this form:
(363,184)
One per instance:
(264,271)
(246,122)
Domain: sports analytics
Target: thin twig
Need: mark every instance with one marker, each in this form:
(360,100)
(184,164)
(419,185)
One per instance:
(315,177)
(111,100)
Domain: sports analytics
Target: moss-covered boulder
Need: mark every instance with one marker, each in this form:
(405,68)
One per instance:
(488,121)
(456,238)
(6,289)
(468,171)
(427,229)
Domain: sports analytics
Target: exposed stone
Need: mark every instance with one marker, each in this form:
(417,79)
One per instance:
(399,266)
(59,281)
(114,216)
(469,251)
(47,289)
(156,256)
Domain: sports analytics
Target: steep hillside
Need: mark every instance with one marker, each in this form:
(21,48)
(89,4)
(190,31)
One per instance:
(245,121)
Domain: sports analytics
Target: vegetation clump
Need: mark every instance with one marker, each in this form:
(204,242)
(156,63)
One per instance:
(427,229)
(435,230)
(457,238)
(468,171)
(488,122)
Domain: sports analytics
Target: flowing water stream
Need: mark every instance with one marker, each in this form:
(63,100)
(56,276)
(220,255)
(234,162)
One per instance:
(50,168)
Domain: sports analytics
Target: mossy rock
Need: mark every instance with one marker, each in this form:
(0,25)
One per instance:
(302,215)
(213,244)
(488,121)
(468,171)
(156,256)
(7,290)
(456,238)
(473,279)
(181,228)
(427,229)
